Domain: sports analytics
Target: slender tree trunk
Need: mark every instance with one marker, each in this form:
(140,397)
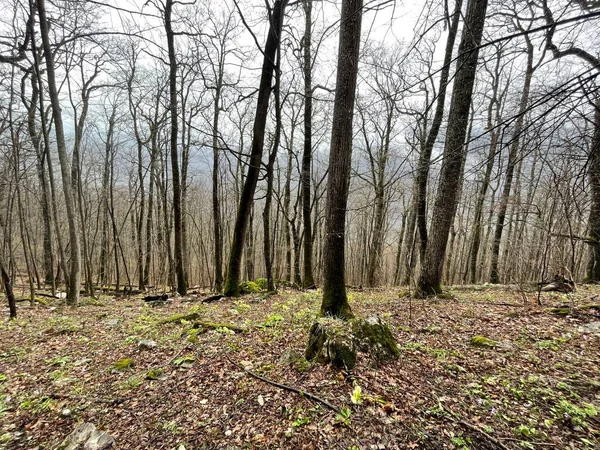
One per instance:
(425,156)
(178,258)
(594,180)
(309,281)
(453,156)
(258,138)
(335,302)
(75,270)
(512,161)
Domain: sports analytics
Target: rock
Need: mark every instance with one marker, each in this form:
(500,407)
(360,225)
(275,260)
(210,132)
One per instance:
(592,327)
(373,336)
(85,436)
(147,344)
(112,322)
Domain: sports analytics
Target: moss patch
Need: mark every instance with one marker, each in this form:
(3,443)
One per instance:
(123,364)
(482,341)
(249,287)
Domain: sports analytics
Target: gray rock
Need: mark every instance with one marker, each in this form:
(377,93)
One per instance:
(147,344)
(592,327)
(86,436)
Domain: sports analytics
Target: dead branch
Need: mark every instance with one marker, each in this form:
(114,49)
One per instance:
(301,393)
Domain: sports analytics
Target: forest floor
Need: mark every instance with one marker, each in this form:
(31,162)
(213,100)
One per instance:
(535,384)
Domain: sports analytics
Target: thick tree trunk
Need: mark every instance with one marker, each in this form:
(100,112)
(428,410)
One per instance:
(8,291)
(335,302)
(258,138)
(74,279)
(454,149)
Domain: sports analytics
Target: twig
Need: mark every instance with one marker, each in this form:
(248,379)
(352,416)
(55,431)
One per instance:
(478,430)
(286,388)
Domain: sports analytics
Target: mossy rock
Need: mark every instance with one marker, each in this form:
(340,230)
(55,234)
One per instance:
(482,341)
(249,287)
(373,336)
(123,364)
(337,342)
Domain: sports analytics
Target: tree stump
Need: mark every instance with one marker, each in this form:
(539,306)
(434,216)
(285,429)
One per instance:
(337,342)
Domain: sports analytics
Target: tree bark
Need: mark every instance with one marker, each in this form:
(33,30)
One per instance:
(451,172)
(335,301)
(308,281)
(425,156)
(512,162)
(74,279)
(178,257)
(260,121)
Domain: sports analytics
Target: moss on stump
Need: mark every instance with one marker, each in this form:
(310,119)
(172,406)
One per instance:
(337,342)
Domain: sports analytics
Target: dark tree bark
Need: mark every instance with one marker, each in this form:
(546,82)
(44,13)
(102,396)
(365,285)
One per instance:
(178,257)
(258,138)
(267,247)
(308,281)
(425,156)
(8,291)
(451,172)
(335,302)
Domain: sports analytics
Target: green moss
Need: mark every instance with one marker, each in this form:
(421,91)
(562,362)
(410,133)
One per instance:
(560,311)
(155,374)
(178,318)
(123,364)
(481,341)
(373,336)
(249,287)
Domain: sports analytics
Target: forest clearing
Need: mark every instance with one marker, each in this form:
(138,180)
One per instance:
(531,380)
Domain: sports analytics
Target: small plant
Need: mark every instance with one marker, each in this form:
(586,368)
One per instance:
(59,361)
(526,431)
(184,362)
(356,396)
(461,442)
(262,283)
(300,421)
(3,377)
(241,307)
(133,382)
(343,418)
(576,415)
(249,287)
(271,321)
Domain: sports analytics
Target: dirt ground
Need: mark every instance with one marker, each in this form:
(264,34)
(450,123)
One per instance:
(530,378)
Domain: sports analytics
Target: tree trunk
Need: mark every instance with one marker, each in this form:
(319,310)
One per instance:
(74,279)
(178,258)
(308,281)
(425,156)
(512,161)
(258,138)
(594,180)
(451,172)
(335,302)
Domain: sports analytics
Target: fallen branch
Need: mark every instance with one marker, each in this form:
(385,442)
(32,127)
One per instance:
(213,298)
(301,393)
(456,419)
